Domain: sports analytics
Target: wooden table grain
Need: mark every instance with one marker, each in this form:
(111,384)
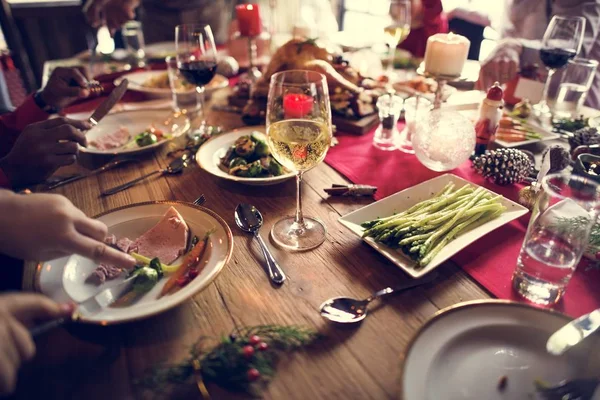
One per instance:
(357,362)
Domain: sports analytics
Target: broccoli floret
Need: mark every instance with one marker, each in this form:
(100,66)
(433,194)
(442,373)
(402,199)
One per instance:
(146,139)
(145,280)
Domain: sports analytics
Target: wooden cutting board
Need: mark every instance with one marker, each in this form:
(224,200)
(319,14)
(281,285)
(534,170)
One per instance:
(355,126)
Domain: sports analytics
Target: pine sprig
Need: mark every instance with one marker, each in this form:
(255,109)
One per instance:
(225,363)
(575,226)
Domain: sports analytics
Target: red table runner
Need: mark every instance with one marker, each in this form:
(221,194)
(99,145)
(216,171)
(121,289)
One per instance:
(490,260)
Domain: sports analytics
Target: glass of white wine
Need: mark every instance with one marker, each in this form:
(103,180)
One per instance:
(398,28)
(299,135)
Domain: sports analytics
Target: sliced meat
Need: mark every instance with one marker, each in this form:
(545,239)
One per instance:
(105,272)
(110,240)
(112,140)
(124,244)
(166,240)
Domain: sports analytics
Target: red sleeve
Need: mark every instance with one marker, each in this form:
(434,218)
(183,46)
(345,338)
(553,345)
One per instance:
(434,21)
(13,123)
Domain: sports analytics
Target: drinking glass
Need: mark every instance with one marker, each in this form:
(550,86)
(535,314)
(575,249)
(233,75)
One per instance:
(562,41)
(196,59)
(299,135)
(574,87)
(185,96)
(398,28)
(386,135)
(415,109)
(133,38)
(565,210)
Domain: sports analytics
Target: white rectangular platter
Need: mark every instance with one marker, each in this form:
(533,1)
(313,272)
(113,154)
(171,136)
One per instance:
(407,198)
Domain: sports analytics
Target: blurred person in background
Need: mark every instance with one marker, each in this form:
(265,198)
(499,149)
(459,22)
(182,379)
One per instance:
(522,32)
(427,18)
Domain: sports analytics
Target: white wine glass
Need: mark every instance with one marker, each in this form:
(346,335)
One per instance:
(397,28)
(299,135)
(562,42)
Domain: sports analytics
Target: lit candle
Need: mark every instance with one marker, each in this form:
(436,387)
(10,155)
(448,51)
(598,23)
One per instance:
(297,105)
(446,54)
(248,16)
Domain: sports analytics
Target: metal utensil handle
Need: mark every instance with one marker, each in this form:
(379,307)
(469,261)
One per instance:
(275,273)
(402,287)
(130,183)
(74,178)
(47,326)
(110,165)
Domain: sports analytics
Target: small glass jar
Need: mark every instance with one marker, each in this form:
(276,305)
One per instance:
(386,135)
(415,109)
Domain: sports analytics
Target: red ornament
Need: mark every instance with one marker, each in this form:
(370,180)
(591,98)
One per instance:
(253,374)
(262,346)
(254,340)
(248,351)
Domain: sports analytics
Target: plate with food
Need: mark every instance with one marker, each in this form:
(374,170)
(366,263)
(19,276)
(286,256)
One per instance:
(156,84)
(130,132)
(421,227)
(180,249)
(426,87)
(492,349)
(243,156)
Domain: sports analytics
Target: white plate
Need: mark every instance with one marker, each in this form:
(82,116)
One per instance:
(138,79)
(472,113)
(407,198)
(211,152)
(160,50)
(463,352)
(64,279)
(136,122)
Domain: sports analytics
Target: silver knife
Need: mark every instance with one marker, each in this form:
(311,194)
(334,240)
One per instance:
(109,103)
(573,333)
(89,307)
(77,177)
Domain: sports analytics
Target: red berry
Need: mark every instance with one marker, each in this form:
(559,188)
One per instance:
(254,340)
(248,351)
(262,346)
(253,374)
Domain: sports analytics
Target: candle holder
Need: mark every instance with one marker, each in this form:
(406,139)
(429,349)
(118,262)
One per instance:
(253,71)
(441,83)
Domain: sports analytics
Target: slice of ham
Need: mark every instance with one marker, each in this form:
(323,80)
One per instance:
(112,140)
(166,240)
(105,272)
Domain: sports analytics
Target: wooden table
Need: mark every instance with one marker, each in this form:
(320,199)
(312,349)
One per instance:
(353,362)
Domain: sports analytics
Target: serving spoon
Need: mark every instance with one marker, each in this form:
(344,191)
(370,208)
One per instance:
(347,310)
(249,219)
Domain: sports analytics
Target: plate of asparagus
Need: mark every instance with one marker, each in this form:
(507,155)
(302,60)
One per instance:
(421,227)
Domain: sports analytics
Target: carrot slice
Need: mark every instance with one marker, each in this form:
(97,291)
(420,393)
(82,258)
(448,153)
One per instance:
(191,259)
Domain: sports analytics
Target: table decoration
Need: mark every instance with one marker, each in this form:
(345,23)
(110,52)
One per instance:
(351,190)
(559,158)
(503,166)
(386,135)
(490,112)
(443,140)
(250,26)
(243,361)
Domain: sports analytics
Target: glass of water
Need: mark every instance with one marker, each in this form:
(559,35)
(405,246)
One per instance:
(185,97)
(133,37)
(574,87)
(415,109)
(565,210)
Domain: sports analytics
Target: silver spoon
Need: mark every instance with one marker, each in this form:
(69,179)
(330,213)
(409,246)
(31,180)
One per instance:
(346,310)
(249,219)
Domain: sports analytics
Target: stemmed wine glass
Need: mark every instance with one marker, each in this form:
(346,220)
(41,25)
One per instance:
(562,41)
(299,135)
(196,58)
(398,28)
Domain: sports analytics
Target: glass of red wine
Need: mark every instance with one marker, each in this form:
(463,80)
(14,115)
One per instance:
(196,60)
(562,41)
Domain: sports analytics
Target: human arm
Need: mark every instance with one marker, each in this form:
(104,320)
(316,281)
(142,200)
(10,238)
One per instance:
(47,226)
(113,13)
(18,312)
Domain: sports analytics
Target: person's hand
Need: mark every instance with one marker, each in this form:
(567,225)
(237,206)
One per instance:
(42,148)
(64,86)
(112,13)
(43,227)
(501,65)
(18,312)
(94,12)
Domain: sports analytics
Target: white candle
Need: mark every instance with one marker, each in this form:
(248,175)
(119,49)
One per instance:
(446,54)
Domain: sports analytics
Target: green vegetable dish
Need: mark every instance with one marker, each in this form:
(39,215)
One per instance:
(423,230)
(250,157)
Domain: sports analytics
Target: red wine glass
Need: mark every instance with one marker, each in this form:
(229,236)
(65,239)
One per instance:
(196,59)
(562,41)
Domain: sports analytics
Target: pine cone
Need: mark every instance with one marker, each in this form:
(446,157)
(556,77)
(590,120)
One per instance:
(503,166)
(559,158)
(584,137)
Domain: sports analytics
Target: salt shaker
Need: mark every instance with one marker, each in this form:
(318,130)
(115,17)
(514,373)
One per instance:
(389,107)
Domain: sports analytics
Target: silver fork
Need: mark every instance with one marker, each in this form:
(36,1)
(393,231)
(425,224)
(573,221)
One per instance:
(200,200)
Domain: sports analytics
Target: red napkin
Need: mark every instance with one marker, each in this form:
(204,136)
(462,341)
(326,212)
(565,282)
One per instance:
(491,260)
